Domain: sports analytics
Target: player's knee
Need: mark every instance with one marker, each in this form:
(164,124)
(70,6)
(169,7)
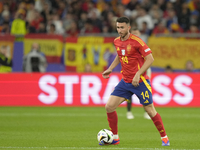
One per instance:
(150,109)
(109,108)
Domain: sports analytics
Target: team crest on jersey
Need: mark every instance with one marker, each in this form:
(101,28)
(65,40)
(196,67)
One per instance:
(128,48)
(123,51)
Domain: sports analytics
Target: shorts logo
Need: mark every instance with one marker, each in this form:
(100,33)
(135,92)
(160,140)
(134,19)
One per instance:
(146,102)
(123,51)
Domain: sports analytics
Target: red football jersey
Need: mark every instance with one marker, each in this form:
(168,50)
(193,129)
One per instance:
(131,53)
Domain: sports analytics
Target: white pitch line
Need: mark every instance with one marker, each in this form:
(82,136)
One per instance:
(106,147)
(54,114)
(5,114)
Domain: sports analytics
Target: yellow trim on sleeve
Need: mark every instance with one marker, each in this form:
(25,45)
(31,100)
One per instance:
(138,39)
(116,38)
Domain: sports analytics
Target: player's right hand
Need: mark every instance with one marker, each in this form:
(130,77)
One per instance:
(135,81)
(106,73)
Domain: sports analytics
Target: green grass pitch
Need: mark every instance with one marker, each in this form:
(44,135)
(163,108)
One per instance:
(76,128)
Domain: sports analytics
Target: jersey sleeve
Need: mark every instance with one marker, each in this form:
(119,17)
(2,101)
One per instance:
(144,50)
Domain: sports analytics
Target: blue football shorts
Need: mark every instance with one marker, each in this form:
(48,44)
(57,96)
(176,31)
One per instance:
(143,91)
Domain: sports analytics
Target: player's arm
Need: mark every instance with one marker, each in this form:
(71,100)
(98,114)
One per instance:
(148,61)
(115,62)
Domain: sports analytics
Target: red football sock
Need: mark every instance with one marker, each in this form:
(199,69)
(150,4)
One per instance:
(113,120)
(157,120)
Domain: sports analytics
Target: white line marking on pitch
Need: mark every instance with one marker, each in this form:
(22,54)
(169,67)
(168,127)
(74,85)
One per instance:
(90,148)
(5,114)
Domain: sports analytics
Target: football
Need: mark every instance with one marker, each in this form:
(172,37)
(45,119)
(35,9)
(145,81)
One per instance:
(105,136)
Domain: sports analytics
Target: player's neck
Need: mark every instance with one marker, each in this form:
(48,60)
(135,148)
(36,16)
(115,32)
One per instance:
(126,37)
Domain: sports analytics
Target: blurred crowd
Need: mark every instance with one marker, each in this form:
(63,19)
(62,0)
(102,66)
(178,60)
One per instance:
(73,17)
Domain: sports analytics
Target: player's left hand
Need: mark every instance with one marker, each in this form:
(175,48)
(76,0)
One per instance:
(106,73)
(136,80)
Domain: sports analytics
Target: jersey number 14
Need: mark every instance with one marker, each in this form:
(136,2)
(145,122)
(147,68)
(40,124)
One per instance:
(124,59)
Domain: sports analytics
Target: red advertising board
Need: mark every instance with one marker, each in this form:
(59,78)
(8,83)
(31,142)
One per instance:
(57,89)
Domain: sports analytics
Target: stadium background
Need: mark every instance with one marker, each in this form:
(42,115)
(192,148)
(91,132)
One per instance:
(75,33)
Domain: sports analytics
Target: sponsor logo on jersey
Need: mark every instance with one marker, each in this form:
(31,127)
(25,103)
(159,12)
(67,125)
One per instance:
(123,51)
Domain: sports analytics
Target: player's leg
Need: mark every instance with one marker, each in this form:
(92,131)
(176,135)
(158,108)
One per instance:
(119,95)
(144,93)
(111,105)
(146,116)
(129,114)
(157,120)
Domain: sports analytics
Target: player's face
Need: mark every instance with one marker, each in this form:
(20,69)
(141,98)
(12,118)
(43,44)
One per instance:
(122,29)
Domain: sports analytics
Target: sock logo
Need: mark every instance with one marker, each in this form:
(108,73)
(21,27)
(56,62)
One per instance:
(161,131)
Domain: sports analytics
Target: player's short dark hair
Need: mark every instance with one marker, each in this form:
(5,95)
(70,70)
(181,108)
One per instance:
(123,19)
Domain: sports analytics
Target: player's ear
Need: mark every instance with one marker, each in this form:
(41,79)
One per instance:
(129,27)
